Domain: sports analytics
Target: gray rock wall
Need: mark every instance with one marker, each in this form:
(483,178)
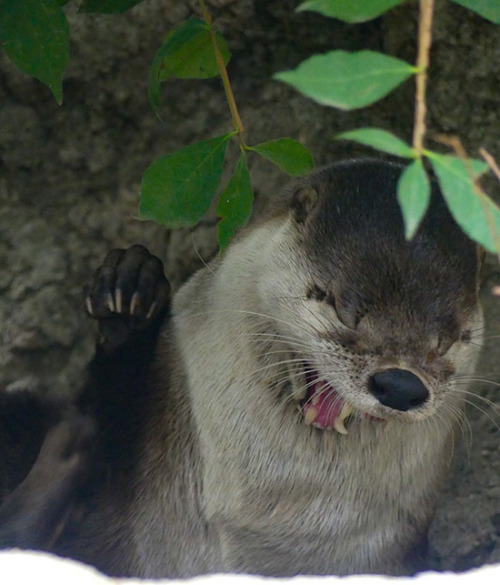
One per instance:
(70,177)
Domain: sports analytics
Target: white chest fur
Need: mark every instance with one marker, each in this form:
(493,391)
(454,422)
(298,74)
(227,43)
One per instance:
(284,497)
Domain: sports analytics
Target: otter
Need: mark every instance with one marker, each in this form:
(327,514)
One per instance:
(294,410)
(53,467)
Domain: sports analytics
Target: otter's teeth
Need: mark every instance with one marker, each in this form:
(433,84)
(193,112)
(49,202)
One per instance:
(300,393)
(339,425)
(310,415)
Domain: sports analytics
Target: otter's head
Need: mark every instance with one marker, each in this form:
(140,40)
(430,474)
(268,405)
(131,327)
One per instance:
(379,327)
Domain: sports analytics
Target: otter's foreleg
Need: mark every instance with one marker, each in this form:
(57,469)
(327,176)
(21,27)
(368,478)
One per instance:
(32,516)
(45,473)
(129,297)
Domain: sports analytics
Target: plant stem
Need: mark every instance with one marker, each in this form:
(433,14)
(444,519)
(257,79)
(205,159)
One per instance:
(424,47)
(237,123)
(491,161)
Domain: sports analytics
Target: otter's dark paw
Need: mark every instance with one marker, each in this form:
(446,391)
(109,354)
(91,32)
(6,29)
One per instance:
(128,293)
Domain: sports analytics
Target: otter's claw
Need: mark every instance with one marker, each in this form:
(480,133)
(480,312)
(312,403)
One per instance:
(127,292)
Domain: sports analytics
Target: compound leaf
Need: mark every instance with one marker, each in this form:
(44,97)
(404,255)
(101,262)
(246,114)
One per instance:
(489,9)
(288,154)
(414,192)
(35,35)
(348,80)
(350,10)
(235,203)
(476,213)
(379,139)
(178,188)
(107,6)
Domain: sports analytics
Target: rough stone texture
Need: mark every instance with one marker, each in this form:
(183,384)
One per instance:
(70,177)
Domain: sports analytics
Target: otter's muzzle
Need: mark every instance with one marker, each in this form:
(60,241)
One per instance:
(398,389)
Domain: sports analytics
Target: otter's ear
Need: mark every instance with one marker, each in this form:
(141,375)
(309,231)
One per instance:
(304,200)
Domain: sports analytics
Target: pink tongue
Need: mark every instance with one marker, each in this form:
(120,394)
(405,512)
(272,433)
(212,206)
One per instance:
(328,404)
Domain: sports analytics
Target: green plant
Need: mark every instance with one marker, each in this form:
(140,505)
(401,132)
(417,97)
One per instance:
(178,188)
(353,80)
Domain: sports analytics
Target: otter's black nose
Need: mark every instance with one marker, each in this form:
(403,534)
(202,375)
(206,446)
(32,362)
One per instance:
(398,389)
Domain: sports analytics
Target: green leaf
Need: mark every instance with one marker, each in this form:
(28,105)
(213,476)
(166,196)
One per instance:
(414,193)
(379,139)
(107,6)
(489,9)
(154,84)
(288,154)
(348,80)
(187,53)
(476,214)
(178,188)
(350,10)
(35,35)
(235,203)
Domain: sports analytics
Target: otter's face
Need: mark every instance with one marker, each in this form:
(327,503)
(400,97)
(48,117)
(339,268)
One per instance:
(378,328)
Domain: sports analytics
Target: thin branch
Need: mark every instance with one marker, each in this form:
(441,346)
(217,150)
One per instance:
(237,123)
(491,162)
(424,47)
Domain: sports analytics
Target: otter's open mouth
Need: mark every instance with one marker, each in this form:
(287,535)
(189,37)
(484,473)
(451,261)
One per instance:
(323,407)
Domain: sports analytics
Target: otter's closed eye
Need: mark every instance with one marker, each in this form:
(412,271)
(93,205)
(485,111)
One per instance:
(445,342)
(318,294)
(315,293)
(348,318)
